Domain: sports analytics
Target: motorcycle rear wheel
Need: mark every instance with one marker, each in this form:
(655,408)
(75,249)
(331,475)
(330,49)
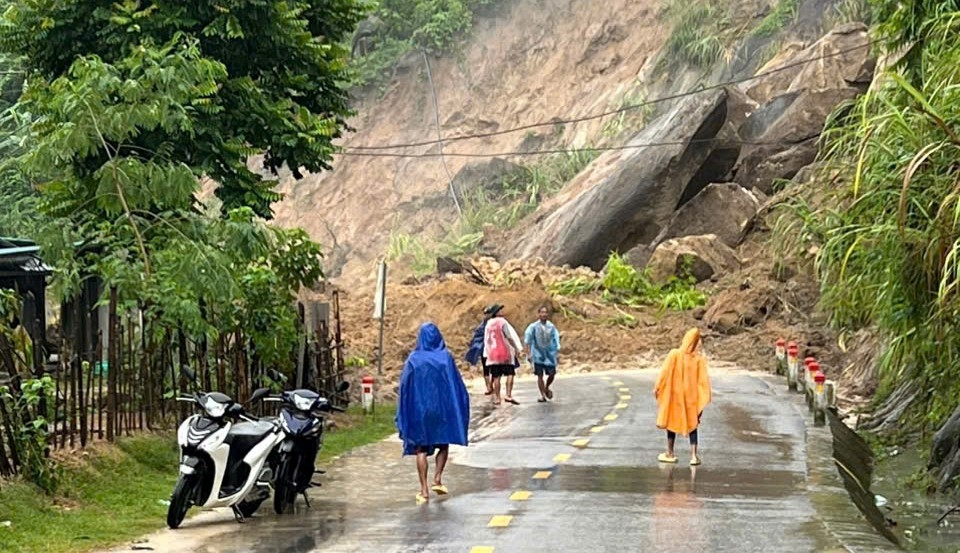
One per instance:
(180,500)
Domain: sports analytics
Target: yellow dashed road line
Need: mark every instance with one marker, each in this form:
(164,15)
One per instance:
(610,418)
(500,521)
(542,475)
(596,429)
(626,398)
(520,495)
(618,383)
(624,390)
(561,457)
(481,549)
(581,442)
(620,405)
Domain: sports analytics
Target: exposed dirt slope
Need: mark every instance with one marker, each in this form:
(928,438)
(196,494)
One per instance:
(533,61)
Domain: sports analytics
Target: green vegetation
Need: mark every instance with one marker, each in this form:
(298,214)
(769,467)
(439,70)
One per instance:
(359,430)
(699,33)
(521,192)
(514,197)
(889,236)
(132,107)
(784,13)
(397,27)
(634,116)
(114,497)
(113,494)
(622,284)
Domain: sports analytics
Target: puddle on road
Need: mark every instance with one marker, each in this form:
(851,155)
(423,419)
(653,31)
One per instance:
(746,427)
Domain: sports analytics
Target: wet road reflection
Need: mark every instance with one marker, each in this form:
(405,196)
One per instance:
(608,494)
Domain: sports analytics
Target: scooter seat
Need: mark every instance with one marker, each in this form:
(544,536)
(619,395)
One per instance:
(254,429)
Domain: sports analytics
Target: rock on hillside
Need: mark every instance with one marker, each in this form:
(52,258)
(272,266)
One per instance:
(634,192)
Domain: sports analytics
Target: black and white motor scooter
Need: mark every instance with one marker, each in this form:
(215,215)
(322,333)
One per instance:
(223,457)
(302,415)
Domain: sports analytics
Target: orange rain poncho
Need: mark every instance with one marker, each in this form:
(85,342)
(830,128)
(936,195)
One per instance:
(683,389)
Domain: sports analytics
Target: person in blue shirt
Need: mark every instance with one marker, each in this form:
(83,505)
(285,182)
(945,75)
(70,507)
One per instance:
(542,340)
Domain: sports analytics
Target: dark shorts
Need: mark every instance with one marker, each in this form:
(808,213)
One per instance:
(486,369)
(496,371)
(430,450)
(541,370)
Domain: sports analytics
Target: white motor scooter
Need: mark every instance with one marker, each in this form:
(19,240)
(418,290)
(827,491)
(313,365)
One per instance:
(223,458)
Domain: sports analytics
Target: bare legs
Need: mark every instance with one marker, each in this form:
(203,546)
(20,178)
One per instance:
(442,456)
(423,463)
(422,472)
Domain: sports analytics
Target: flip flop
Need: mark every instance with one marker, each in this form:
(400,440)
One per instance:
(542,400)
(513,401)
(420,499)
(549,394)
(488,392)
(695,461)
(440,489)
(664,458)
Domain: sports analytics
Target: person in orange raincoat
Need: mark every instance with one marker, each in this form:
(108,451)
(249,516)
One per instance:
(682,391)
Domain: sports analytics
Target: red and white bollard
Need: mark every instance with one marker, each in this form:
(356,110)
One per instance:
(793,373)
(820,400)
(813,369)
(781,357)
(366,384)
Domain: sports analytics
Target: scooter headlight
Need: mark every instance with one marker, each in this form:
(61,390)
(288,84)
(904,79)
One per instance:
(302,403)
(214,408)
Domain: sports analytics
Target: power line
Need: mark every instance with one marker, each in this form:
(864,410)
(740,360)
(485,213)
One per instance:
(617,111)
(574,150)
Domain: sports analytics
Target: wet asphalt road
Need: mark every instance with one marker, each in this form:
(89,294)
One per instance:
(587,462)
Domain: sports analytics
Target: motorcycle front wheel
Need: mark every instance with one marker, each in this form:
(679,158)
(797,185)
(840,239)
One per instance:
(284,493)
(180,501)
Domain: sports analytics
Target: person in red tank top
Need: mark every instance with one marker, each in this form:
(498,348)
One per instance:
(501,346)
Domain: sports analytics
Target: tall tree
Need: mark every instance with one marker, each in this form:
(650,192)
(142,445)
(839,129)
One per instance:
(243,77)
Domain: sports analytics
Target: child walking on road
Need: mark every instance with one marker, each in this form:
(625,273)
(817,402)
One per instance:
(682,392)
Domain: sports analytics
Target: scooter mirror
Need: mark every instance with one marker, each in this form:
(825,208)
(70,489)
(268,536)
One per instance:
(343,386)
(188,373)
(236,409)
(259,393)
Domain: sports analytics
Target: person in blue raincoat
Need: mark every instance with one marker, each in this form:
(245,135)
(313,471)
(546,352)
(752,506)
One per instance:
(434,408)
(474,354)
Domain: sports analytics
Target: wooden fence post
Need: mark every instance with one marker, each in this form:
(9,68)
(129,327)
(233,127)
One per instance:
(112,366)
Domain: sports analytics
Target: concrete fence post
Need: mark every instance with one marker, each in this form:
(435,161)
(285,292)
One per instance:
(781,357)
(813,369)
(820,401)
(830,393)
(793,376)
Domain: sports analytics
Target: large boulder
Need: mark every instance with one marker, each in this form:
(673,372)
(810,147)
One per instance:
(484,175)
(720,209)
(762,167)
(701,257)
(627,196)
(841,58)
(798,97)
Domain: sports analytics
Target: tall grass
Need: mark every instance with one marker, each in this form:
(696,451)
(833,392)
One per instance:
(783,14)
(889,240)
(520,193)
(698,35)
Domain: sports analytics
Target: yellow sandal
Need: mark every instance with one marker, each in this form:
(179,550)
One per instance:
(664,458)
(440,489)
(420,499)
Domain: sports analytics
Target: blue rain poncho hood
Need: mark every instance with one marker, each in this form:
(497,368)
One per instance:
(434,407)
